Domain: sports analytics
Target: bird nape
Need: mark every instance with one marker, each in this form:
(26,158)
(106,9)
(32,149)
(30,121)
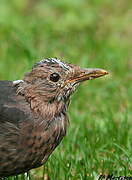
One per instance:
(33,113)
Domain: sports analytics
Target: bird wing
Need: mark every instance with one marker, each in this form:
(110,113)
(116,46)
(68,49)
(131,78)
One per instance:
(13,109)
(12,114)
(10,108)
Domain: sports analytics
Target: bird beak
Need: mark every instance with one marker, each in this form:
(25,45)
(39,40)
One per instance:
(88,74)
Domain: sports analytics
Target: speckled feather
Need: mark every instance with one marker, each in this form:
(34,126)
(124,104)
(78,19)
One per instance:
(27,138)
(33,114)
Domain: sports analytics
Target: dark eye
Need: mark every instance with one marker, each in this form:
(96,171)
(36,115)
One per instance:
(54,77)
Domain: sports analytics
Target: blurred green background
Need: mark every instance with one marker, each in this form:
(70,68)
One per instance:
(92,33)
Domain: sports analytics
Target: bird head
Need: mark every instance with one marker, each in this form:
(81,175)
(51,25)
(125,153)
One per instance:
(54,80)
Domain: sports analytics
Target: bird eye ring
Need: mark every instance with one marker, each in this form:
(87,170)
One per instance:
(54,77)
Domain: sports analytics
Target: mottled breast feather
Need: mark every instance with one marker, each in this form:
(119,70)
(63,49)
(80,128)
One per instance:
(26,140)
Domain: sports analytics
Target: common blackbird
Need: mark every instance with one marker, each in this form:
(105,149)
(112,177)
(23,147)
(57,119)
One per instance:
(33,113)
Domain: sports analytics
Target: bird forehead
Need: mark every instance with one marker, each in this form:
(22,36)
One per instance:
(53,61)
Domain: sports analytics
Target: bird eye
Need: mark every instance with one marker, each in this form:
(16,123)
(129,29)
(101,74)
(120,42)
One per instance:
(54,77)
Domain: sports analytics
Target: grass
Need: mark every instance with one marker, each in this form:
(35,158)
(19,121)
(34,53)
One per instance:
(94,33)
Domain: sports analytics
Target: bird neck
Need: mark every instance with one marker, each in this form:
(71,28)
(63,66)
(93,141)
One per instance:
(40,106)
(47,110)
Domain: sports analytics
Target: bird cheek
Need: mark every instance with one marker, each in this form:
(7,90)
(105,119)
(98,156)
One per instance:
(59,98)
(61,84)
(68,93)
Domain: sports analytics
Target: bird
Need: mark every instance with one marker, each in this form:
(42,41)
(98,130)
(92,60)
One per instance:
(33,113)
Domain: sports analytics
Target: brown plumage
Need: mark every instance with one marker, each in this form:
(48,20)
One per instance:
(33,113)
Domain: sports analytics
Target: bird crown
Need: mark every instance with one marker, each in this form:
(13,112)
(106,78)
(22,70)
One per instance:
(52,61)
